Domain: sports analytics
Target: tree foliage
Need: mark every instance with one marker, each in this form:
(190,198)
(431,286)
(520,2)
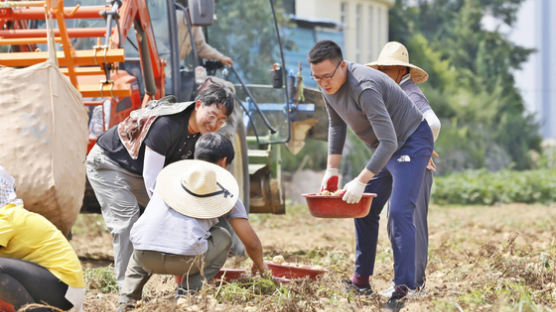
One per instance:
(471,85)
(245,31)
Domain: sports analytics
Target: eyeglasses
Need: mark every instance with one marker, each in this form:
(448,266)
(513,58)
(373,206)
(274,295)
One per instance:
(326,77)
(219,122)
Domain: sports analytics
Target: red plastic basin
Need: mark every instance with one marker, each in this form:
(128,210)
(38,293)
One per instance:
(291,271)
(332,206)
(229,274)
(6,307)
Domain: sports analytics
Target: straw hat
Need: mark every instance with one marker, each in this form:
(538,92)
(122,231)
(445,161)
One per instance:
(395,54)
(197,189)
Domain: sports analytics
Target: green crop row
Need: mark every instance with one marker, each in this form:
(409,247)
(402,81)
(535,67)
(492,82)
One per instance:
(483,187)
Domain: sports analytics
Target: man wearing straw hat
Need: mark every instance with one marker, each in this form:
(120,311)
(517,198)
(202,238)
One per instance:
(393,60)
(178,233)
(386,120)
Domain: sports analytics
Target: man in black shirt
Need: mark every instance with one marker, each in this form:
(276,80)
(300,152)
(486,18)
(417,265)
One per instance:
(123,165)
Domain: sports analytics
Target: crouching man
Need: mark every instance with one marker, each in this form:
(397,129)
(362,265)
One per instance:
(178,232)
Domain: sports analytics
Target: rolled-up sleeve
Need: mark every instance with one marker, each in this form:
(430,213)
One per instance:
(373,106)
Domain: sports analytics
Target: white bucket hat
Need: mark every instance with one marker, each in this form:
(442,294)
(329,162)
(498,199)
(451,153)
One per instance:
(197,189)
(7,187)
(395,54)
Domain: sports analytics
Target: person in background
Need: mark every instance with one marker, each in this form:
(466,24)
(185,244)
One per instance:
(385,119)
(37,263)
(179,232)
(123,165)
(203,49)
(393,60)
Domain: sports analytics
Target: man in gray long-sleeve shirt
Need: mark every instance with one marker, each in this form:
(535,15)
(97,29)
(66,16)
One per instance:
(382,116)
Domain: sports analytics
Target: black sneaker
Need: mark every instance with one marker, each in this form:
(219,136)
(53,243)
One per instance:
(362,291)
(126,306)
(397,300)
(182,292)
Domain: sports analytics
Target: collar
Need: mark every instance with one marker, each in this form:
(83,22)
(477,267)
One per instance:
(405,78)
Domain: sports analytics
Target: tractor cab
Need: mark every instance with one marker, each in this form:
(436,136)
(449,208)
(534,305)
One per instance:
(121,54)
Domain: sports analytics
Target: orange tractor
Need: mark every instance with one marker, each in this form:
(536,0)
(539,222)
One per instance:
(121,54)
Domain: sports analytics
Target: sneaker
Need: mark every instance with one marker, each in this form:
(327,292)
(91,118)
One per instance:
(418,292)
(388,291)
(397,300)
(362,291)
(412,293)
(182,292)
(126,306)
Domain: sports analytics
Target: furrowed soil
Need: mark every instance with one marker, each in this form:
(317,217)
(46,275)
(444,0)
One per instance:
(481,258)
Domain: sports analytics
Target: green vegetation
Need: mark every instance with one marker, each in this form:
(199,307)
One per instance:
(487,188)
(102,279)
(471,88)
(471,85)
(245,31)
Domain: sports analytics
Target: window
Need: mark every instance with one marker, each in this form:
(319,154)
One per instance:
(372,32)
(379,29)
(344,17)
(358,36)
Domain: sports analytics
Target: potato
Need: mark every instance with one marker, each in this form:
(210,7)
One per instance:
(279,259)
(337,192)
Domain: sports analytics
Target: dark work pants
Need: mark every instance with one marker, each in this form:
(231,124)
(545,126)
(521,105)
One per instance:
(23,282)
(421,230)
(400,180)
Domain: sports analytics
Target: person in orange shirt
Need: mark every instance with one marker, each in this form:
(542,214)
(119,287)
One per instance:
(37,263)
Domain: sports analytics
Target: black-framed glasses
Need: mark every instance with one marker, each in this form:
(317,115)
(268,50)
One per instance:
(327,76)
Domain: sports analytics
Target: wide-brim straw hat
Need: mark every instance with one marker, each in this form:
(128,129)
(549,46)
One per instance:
(197,189)
(395,54)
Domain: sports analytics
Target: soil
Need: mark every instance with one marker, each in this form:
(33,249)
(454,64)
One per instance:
(481,258)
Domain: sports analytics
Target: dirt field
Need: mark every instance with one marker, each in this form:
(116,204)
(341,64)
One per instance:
(499,258)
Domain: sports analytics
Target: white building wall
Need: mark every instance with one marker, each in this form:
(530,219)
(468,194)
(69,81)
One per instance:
(536,80)
(550,69)
(365,23)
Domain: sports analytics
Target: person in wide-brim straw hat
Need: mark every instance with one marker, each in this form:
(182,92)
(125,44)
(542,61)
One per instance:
(180,232)
(394,62)
(197,188)
(395,54)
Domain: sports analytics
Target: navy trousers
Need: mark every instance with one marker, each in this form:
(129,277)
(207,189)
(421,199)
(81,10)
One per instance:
(421,230)
(400,180)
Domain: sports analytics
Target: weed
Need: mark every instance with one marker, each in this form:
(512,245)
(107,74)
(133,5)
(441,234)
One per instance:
(101,278)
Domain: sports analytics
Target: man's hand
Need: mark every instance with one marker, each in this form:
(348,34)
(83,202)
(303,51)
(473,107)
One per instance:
(353,191)
(431,166)
(227,61)
(258,268)
(331,180)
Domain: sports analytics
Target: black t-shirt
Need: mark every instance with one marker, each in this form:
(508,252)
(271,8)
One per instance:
(167,136)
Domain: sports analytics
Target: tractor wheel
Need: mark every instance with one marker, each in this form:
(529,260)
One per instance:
(240,165)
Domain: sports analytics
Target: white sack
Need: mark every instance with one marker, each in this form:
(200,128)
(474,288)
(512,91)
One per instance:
(43,140)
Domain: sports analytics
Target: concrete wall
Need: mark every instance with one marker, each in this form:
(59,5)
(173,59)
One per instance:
(365,23)
(535,29)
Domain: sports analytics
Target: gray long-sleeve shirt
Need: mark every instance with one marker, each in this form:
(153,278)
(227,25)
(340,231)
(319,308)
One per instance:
(376,109)
(418,98)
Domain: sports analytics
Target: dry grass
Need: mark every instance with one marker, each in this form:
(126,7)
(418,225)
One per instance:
(499,258)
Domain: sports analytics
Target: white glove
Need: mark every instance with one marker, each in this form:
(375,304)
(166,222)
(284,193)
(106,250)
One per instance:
(353,191)
(329,182)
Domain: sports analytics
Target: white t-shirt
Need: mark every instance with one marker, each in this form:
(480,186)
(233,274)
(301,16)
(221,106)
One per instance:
(163,229)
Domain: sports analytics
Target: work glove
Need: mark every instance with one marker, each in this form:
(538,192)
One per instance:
(353,191)
(331,180)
